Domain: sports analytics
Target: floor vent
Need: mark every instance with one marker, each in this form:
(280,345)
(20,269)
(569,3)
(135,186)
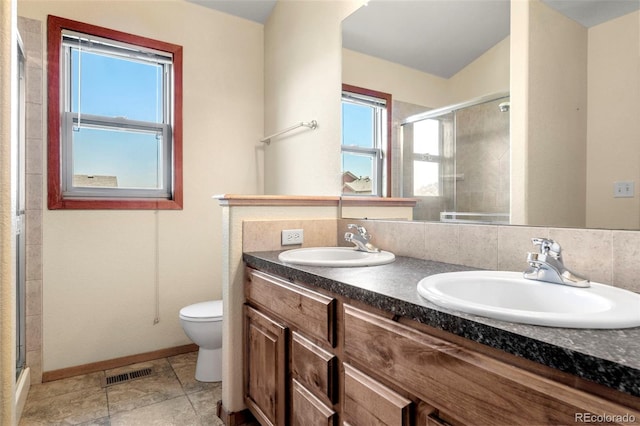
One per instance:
(126,377)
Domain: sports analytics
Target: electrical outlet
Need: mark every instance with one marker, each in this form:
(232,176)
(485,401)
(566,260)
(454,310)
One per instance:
(623,189)
(292,236)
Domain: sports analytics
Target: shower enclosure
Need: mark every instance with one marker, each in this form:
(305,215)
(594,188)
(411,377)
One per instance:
(456,161)
(19,211)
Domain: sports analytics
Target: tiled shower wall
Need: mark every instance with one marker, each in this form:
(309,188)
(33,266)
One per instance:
(604,256)
(32,38)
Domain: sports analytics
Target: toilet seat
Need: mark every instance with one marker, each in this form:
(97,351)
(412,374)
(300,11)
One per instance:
(209,311)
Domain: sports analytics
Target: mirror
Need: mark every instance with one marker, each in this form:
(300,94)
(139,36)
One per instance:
(574,120)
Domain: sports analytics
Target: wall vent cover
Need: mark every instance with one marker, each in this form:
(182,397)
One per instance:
(126,377)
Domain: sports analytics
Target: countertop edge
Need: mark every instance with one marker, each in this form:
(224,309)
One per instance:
(619,377)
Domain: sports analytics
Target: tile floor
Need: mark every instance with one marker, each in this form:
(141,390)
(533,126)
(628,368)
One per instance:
(171,396)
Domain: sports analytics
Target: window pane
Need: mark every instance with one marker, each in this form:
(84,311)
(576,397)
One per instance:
(116,159)
(426,137)
(116,87)
(357,125)
(357,173)
(425,179)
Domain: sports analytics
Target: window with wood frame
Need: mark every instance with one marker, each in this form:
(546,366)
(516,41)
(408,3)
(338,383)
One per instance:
(115,119)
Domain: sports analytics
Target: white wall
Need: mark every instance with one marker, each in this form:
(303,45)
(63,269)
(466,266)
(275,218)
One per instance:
(303,83)
(99,266)
(613,152)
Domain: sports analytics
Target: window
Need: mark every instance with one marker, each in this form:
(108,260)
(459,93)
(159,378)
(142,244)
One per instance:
(366,116)
(115,119)
(427,141)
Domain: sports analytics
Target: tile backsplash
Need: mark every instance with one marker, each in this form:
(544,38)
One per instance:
(605,256)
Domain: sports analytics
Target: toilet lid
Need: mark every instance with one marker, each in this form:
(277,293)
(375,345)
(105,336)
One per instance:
(211,309)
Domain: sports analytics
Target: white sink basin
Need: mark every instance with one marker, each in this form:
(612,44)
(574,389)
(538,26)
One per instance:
(335,256)
(510,297)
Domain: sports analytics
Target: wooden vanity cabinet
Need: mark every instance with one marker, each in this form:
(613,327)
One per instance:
(290,370)
(379,371)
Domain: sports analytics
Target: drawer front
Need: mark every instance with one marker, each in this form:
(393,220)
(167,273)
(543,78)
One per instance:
(448,376)
(314,367)
(308,410)
(368,402)
(309,311)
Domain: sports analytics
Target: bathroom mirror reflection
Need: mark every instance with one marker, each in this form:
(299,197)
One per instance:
(568,146)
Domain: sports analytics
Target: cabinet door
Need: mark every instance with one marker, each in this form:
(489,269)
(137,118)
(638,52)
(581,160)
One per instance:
(368,402)
(265,368)
(308,410)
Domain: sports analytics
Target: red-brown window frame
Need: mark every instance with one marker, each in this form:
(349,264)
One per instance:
(388,98)
(55,198)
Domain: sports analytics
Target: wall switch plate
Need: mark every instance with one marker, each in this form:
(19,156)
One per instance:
(623,189)
(292,236)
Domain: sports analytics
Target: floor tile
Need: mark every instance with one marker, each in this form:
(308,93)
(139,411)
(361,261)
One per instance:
(177,411)
(71,408)
(163,385)
(205,402)
(91,381)
(185,368)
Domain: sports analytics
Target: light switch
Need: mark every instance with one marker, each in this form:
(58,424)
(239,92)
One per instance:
(623,189)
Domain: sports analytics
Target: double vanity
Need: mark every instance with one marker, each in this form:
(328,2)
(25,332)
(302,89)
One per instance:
(360,345)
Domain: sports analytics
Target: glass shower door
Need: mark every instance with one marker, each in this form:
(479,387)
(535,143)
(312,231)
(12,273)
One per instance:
(19,196)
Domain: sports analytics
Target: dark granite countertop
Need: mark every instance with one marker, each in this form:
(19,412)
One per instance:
(607,357)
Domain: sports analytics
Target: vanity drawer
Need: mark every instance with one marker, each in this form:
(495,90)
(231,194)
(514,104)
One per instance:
(368,402)
(472,388)
(309,410)
(314,367)
(311,312)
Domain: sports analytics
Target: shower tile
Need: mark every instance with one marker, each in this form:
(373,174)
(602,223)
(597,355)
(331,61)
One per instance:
(34,156)
(34,191)
(34,262)
(34,84)
(34,362)
(34,297)
(33,232)
(76,407)
(34,332)
(174,411)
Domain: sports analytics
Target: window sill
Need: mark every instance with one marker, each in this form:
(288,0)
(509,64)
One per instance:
(114,204)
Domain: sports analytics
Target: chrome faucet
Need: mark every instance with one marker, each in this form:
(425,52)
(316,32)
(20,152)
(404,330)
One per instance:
(360,239)
(547,265)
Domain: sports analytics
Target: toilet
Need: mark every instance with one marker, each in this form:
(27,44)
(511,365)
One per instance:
(202,323)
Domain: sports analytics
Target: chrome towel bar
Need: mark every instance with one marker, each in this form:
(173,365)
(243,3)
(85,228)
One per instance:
(313,124)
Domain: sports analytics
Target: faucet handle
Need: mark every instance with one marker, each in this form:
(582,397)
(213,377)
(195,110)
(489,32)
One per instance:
(547,246)
(361,229)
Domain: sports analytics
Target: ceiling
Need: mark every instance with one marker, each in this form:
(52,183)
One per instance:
(456,32)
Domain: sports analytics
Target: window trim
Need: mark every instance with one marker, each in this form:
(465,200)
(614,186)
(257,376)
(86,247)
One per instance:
(56,198)
(386,151)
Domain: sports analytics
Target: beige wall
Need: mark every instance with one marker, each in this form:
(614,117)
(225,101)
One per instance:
(487,74)
(613,152)
(302,83)
(548,132)
(7,246)
(99,266)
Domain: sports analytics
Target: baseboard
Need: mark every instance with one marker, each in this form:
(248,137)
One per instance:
(237,418)
(93,367)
